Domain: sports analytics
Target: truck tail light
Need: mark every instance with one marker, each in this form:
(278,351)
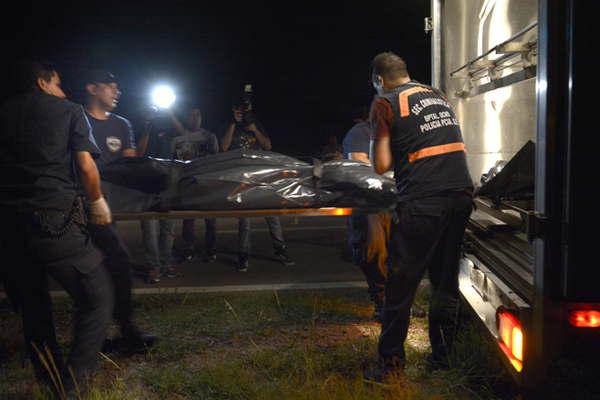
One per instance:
(585,318)
(511,338)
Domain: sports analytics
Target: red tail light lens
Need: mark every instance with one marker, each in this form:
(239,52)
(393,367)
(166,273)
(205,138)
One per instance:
(511,338)
(585,318)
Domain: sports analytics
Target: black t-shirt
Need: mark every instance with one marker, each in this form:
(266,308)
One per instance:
(245,139)
(38,135)
(113,135)
(358,139)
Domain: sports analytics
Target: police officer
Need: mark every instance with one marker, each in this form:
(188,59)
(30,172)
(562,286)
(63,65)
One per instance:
(44,146)
(115,138)
(417,133)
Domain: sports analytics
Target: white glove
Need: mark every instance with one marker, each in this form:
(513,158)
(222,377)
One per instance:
(100,212)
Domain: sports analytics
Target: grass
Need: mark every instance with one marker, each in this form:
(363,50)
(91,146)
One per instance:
(267,345)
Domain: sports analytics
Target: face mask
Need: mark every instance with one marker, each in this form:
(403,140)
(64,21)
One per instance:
(377,82)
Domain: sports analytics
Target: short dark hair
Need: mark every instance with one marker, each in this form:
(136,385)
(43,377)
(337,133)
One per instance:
(40,69)
(389,66)
(95,76)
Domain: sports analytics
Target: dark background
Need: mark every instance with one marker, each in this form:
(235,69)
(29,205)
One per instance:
(308,62)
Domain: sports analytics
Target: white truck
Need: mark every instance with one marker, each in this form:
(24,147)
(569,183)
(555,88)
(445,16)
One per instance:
(517,73)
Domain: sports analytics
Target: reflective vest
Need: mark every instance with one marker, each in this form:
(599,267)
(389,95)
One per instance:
(426,142)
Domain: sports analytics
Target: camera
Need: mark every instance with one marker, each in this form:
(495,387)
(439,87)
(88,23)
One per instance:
(246,106)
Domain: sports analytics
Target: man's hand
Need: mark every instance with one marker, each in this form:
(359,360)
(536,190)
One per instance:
(263,140)
(100,212)
(238,116)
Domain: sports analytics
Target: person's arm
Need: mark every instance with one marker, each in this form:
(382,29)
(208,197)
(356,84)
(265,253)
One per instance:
(84,149)
(142,145)
(228,136)
(130,149)
(381,120)
(89,175)
(383,155)
(99,212)
(212,143)
(179,128)
(359,156)
(261,137)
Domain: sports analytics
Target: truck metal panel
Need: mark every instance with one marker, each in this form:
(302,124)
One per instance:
(497,122)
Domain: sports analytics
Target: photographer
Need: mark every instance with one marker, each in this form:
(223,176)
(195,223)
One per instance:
(246,132)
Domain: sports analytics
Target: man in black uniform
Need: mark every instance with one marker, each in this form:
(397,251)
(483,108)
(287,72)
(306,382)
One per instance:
(115,138)
(44,145)
(417,133)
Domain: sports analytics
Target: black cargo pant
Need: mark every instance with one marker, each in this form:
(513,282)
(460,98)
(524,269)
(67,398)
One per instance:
(76,265)
(358,232)
(426,237)
(118,265)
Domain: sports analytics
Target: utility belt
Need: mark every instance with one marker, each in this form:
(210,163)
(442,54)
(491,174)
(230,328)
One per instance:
(54,223)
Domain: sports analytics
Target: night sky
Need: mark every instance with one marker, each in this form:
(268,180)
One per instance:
(308,62)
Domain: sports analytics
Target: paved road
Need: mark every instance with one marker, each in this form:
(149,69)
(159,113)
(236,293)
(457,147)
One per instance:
(315,243)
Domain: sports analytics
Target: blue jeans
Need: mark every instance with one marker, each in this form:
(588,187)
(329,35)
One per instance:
(210,236)
(158,236)
(274,229)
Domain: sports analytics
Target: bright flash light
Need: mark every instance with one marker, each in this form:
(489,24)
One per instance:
(163,96)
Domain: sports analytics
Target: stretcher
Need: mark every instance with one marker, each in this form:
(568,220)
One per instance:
(296,212)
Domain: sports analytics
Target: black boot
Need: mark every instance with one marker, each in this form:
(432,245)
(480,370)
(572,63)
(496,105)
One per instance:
(133,341)
(283,257)
(385,370)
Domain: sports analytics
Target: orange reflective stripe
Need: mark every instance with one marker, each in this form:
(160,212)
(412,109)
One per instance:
(436,150)
(403,99)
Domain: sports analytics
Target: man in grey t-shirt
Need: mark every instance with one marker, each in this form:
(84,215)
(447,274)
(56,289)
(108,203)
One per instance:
(191,142)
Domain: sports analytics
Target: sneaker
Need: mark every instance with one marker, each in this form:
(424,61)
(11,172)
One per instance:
(384,371)
(188,255)
(108,346)
(382,374)
(129,344)
(137,343)
(168,272)
(284,258)
(153,276)
(242,264)
(210,258)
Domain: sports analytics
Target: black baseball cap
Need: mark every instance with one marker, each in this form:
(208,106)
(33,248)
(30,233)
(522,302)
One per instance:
(99,76)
